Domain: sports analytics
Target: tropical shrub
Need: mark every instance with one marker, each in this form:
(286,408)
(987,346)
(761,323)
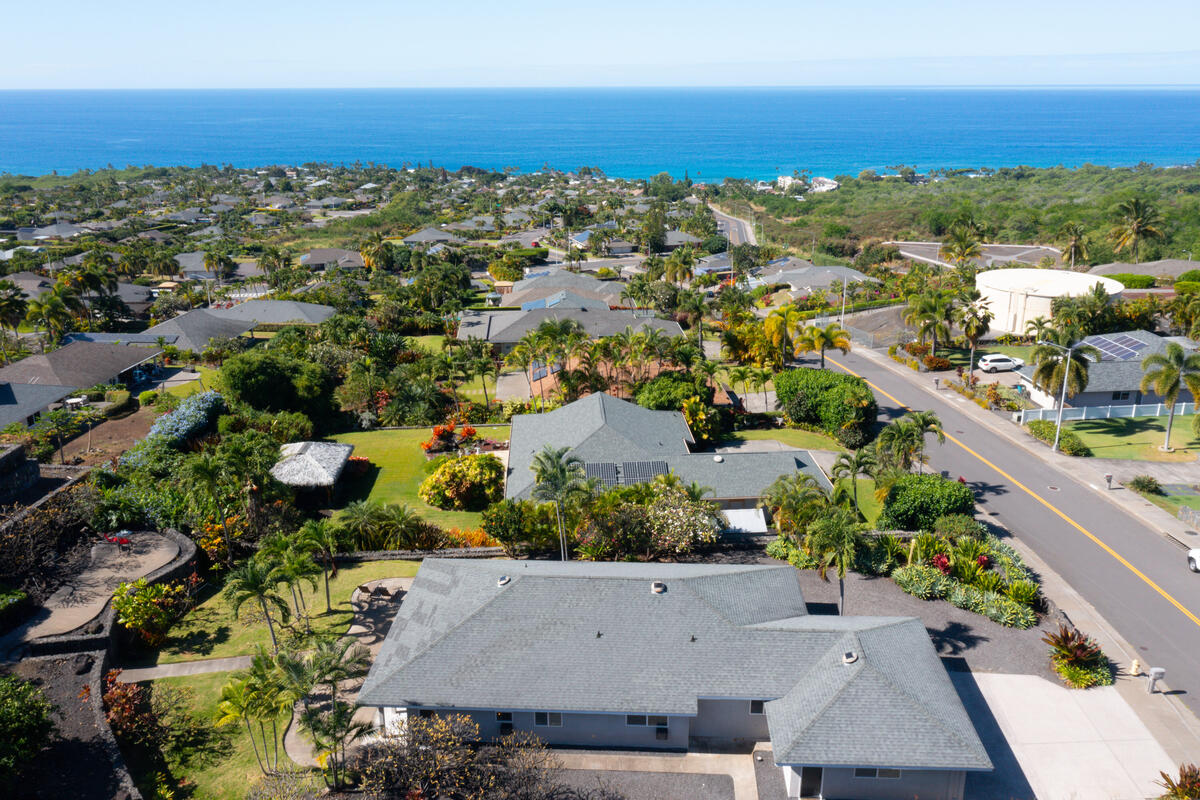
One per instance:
(147,398)
(194,416)
(669,391)
(469,483)
(936,363)
(25,726)
(521,526)
(1187,287)
(1068,442)
(449,438)
(840,405)
(954,526)
(927,583)
(149,609)
(991,604)
(915,502)
(1185,787)
(1077,658)
(1145,484)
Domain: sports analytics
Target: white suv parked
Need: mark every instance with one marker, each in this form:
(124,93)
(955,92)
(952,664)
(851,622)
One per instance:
(1194,559)
(998,362)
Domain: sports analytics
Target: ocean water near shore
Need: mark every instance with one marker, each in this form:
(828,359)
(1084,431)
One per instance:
(710,133)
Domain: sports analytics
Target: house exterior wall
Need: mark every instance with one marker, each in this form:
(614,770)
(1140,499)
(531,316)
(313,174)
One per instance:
(728,719)
(586,730)
(840,784)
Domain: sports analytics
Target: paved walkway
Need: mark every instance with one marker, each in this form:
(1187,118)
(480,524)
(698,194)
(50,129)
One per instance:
(178,668)
(83,599)
(739,767)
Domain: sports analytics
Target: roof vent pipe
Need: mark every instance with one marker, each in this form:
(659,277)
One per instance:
(658,587)
(718,458)
(849,657)
(504,579)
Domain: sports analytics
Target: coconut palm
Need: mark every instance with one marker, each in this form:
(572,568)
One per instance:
(49,313)
(1074,242)
(780,327)
(1168,374)
(1038,328)
(1050,364)
(257,580)
(558,475)
(849,466)
(835,540)
(975,320)
(794,501)
(817,339)
(901,444)
(679,265)
(13,307)
(961,246)
(927,313)
(1137,222)
(376,252)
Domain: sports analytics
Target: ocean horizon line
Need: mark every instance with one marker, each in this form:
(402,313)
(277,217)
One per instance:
(636,87)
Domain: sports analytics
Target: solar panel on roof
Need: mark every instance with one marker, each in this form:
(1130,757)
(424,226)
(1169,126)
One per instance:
(642,471)
(605,471)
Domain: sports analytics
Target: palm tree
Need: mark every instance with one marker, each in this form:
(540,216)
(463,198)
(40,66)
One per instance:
(1074,242)
(558,474)
(679,265)
(524,355)
(975,320)
(1167,374)
(1050,364)
(1038,328)
(257,580)
(332,732)
(849,466)
(359,519)
(834,539)
(238,704)
(794,501)
(816,339)
(1137,222)
(13,307)
(209,473)
(759,378)
(334,660)
(741,375)
(50,313)
(901,444)
(780,326)
(376,252)
(326,540)
(927,313)
(925,422)
(961,246)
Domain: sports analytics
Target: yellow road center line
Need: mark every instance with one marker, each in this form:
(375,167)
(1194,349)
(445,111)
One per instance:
(1124,562)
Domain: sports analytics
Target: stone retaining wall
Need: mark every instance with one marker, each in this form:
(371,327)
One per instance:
(418,555)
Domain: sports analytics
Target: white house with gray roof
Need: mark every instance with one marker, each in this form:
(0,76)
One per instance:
(670,656)
(622,443)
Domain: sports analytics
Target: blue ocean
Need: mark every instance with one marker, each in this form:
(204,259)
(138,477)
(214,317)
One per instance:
(710,133)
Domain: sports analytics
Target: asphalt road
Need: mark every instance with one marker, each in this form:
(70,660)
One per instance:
(737,231)
(1135,577)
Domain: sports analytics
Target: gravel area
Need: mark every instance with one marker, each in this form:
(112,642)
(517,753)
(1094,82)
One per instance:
(964,640)
(652,785)
(769,778)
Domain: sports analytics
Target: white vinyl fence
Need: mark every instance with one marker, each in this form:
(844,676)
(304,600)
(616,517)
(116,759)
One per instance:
(1189,515)
(1104,412)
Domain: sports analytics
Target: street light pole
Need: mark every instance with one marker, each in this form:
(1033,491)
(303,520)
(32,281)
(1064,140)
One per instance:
(1062,401)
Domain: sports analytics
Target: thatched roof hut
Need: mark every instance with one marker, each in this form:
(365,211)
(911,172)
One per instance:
(311,465)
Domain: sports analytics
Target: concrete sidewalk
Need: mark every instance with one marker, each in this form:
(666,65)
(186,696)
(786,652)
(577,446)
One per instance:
(739,767)
(179,668)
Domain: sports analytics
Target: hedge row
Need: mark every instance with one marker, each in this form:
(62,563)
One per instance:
(840,405)
(1068,442)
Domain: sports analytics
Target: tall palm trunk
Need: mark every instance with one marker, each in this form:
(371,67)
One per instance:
(254,744)
(1170,421)
(262,601)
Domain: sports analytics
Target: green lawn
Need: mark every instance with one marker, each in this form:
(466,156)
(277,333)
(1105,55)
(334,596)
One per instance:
(805,440)
(1171,503)
(959,358)
(1137,438)
(211,631)
(234,768)
(867,503)
(398,462)
(207,380)
(431,342)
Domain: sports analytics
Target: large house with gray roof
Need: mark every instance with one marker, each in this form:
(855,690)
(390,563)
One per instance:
(671,656)
(622,443)
(504,329)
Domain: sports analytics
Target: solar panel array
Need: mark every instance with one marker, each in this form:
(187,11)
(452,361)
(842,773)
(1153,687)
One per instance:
(1118,347)
(642,471)
(605,471)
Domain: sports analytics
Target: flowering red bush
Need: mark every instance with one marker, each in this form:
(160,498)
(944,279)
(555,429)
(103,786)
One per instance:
(448,438)
(941,561)
(983,561)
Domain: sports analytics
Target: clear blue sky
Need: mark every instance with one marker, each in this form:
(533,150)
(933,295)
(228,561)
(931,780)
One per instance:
(401,43)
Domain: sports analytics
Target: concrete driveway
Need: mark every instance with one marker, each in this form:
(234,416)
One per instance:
(1053,743)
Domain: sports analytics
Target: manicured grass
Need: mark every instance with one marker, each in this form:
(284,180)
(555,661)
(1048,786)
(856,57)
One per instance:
(207,380)
(1138,438)
(229,776)
(867,504)
(430,342)
(805,440)
(211,631)
(398,463)
(1171,503)
(959,358)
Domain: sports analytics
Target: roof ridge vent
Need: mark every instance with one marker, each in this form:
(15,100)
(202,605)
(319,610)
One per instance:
(849,657)
(658,587)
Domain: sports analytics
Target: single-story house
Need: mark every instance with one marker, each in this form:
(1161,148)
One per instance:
(550,281)
(808,279)
(675,656)
(505,328)
(323,258)
(311,465)
(432,236)
(1116,378)
(676,239)
(194,329)
(79,364)
(622,443)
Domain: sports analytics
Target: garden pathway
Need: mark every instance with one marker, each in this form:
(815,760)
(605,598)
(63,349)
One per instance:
(178,668)
(83,599)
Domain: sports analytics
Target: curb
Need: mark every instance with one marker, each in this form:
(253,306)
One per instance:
(1039,452)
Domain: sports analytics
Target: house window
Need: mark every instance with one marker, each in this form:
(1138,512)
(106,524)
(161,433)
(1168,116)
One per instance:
(1121,395)
(547,719)
(756,706)
(652,720)
(872,772)
(425,713)
(503,716)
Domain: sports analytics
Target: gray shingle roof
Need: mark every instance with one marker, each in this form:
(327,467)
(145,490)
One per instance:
(507,327)
(193,330)
(310,465)
(19,401)
(81,364)
(1118,376)
(277,312)
(461,640)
